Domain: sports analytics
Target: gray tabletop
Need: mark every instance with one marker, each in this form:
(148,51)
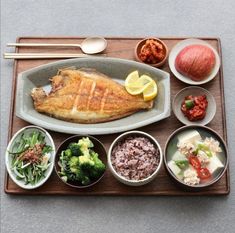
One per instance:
(119,18)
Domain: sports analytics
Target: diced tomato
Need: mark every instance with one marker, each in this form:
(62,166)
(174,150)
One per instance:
(194,161)
(203,173)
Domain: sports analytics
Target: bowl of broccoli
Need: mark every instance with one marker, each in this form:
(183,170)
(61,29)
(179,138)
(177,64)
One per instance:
(81,161)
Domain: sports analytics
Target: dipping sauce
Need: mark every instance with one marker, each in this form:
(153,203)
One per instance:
(152,52)
(194,107)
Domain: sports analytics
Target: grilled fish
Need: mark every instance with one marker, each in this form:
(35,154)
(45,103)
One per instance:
(86,96)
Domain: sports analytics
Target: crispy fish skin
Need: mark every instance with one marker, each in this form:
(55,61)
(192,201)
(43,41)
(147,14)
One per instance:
(86,96)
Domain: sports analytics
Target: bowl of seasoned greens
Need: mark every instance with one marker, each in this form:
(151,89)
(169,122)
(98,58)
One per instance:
(81,161)
(30,157)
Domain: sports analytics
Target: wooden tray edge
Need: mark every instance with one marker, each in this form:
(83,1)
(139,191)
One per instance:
(223,109)
(225,192)
(200,193)
(11,114)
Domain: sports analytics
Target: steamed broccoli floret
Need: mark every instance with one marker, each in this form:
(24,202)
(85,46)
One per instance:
(85,162)
(86,180)
(76,172)
(68,153)
(98,163)
(74,164)
(98,168)
(85,144)
(79,163)
(75,149)
(81,176)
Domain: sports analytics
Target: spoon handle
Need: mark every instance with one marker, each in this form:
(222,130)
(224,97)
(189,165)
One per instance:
(41,45)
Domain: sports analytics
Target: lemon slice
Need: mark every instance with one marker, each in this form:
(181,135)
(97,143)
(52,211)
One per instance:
(145,79)
(132,78)
(150,91)
(134,84)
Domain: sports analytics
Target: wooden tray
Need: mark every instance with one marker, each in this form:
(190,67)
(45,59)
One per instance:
(162,185)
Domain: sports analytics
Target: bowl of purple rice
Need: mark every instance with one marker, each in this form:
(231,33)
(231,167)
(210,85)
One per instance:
(135,158)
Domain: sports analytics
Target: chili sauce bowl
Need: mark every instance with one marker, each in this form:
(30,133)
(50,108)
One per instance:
(194,91)
(141,43)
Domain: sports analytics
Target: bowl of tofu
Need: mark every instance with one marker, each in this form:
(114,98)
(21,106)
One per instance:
(195,157)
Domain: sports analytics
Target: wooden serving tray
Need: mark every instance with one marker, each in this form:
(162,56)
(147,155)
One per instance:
(163,184)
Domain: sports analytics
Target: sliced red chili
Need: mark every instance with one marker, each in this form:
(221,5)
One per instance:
(194,161)
(203,173)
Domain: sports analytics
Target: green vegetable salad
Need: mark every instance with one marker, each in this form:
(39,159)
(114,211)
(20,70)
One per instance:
(80,163)
(30,157)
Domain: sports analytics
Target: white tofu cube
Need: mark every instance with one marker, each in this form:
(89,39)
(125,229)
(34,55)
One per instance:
(189,137)
(214,164)
(175,169)
(178,156)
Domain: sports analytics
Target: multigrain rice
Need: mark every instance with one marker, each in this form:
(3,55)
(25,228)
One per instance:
(135,158)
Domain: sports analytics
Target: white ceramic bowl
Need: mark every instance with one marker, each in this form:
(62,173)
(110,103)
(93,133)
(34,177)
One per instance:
(8,158)
(181,45)
(123,179)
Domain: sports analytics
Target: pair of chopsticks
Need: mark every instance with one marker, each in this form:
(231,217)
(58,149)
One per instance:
(45,55)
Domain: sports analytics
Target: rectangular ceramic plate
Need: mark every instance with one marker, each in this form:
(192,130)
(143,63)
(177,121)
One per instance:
(118,69)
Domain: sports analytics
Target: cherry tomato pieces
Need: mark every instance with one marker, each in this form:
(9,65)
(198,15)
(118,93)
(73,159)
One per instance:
(194,161)
(203,173)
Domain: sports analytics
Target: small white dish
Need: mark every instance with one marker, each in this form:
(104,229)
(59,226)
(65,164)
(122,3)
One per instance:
(195,91)
(8,157)
(181,45)
(135,182)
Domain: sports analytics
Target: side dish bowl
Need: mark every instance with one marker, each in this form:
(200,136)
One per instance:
(171,148)
(8,156)
(98,147)
(194,91)
(140,45)
(132,134)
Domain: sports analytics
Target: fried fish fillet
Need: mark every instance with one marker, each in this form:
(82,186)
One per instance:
(86,96)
